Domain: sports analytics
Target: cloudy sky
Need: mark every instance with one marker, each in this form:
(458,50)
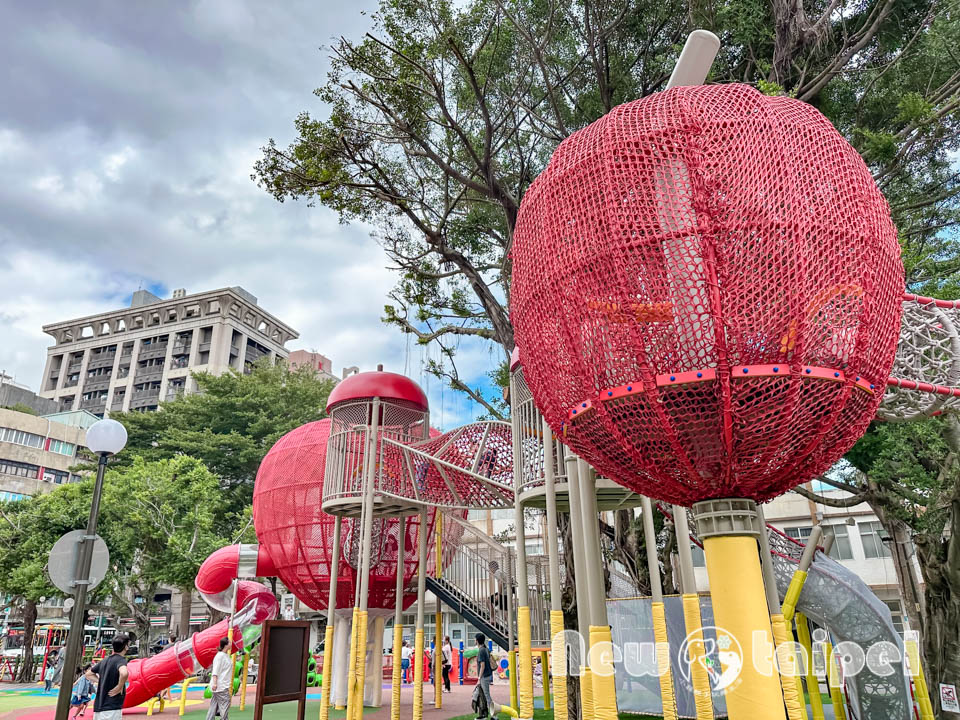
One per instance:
(127,136)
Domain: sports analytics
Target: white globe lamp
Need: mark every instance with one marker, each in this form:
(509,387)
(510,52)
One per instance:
(106,437)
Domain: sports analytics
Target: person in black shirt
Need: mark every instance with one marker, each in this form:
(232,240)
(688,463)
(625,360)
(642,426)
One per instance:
(485,670)
(112,676)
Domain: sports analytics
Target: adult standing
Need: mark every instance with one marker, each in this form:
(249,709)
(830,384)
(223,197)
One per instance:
(446,658)
(405,654)
(485,670)
(111,678)
(221,681)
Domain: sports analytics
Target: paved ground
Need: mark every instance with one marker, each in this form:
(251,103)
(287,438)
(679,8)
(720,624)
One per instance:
(25,702)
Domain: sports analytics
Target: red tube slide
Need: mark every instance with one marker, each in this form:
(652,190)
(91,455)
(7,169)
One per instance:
(254,605)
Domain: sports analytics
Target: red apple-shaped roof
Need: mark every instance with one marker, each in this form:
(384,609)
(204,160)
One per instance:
(384,385)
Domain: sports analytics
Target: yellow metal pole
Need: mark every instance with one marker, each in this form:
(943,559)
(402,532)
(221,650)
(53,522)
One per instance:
(352,664)
(667,697)
(702,698)
(512,671)
(243,681)
(183,695)
(361,664)
(545,672)
(326,693)
(813,684)
(397,679)
(919,680)
(418,637)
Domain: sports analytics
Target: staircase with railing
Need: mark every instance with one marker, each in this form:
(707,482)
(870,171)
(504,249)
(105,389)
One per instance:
(479,585)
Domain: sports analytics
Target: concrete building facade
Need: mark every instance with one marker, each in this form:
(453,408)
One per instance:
(36,454)
(137,357)
(14,393)
(321,364)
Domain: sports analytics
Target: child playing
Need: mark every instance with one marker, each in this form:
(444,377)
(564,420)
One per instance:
(82,691)
(48,678)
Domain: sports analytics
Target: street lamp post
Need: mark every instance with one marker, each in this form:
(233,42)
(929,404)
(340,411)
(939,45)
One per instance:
(104,438)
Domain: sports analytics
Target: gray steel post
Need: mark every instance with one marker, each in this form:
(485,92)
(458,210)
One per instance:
(334,569)
(688,581)
(81,580)
(372,449)
(650,540)
(592,547)
(422,570)
(581,575)
(549,481)
(398,613)
(766,564)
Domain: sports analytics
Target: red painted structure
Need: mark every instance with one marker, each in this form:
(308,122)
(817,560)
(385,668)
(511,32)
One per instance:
(707,289)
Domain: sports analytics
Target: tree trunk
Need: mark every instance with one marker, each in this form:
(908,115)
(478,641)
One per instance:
(906,578)
(29,626)
(186,607)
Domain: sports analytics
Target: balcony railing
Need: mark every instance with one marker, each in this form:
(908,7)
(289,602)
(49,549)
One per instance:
(150,374)
(100,383)
(94,403)
(101,361)
(204,347)
(71,383)
(149,352)
(74,367)
(181,348)
(117,402)
(146,393)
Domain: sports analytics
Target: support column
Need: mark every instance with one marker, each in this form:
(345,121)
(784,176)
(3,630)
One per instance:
(327,691)
(524,663)
(667,696)
(438,626)
(729,532)
(692,620)
(397,678)
(371,451)
(421,595)
(601,642)
(557,646)
(581,577)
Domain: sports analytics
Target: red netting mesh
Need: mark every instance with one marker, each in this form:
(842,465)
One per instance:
(297,534)
(706,287)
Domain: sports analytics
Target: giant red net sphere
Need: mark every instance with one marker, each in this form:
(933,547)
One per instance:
(298,535)
(706,291)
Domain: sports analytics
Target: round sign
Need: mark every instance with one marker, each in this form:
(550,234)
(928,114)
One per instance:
(63,561)
(68,603)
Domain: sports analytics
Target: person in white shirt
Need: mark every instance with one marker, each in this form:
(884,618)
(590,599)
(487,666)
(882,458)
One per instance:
(405,652)
(221,683)
(447,660)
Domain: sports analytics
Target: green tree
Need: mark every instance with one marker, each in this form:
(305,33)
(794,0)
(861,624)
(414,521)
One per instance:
(162,519)
(230,424)
(443,114)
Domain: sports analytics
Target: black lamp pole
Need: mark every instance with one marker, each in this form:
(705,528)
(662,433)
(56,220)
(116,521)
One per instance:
(78,614)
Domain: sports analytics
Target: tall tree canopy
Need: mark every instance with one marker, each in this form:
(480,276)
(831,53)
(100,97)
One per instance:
(230,424)
(440,117)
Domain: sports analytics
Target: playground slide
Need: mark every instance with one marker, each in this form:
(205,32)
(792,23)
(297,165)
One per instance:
(254,605)
(837,599)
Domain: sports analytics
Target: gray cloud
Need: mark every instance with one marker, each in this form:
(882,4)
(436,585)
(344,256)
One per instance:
(127,136)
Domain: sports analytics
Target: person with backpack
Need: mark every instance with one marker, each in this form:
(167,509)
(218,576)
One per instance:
(482,697)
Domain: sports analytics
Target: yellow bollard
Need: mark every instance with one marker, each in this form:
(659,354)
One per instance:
(361,672)
(667,696)
(602,672)
(545,671)
(326,696)
(787,662)
(586,694)
(559,653)
(813,685)
(512,672)
(352,663)
(183,695)
(243,681)
(418,674)
(702,697)
(397,673)
(524,664)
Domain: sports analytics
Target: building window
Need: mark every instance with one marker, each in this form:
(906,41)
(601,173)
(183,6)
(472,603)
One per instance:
(873,547)
(896,614)
(841,549)
(10,496)
(799,533)
(19,469)
(58,477)
(21,437)
(63,448)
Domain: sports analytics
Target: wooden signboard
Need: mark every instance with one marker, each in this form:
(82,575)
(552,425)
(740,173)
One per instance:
(282,675)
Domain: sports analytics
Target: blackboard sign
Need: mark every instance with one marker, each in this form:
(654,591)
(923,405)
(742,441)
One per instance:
(282,675)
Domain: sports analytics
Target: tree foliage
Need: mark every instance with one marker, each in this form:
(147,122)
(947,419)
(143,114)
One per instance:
(230,424)
(440,117)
